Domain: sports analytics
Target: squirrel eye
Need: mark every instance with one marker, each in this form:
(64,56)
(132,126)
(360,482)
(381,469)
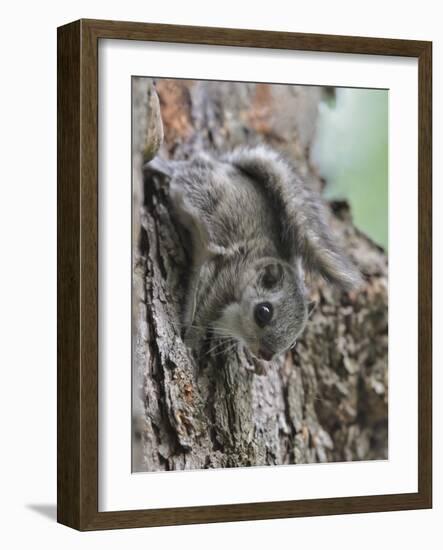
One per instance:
(263,314)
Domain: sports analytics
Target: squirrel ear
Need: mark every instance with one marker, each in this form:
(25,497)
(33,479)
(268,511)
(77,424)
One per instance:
(271,274)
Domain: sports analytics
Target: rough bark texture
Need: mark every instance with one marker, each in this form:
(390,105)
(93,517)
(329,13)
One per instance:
(327,400)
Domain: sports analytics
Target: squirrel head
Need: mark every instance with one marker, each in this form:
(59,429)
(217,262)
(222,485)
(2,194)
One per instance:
(270,310)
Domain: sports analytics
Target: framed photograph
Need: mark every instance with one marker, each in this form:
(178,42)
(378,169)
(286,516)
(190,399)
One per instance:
(244,275)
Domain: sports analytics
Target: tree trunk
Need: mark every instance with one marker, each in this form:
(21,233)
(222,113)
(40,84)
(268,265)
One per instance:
(326,400)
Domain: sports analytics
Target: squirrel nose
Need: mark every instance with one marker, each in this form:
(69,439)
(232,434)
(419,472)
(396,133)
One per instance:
(265,354)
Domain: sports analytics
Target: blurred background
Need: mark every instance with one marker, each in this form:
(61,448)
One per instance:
(351,152)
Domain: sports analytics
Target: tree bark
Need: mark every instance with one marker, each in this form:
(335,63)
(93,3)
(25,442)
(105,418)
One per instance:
(325,401)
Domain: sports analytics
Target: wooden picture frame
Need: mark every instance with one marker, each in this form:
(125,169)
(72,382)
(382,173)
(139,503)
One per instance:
(77,455)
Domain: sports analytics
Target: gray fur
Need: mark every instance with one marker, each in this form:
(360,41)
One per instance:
(254,228)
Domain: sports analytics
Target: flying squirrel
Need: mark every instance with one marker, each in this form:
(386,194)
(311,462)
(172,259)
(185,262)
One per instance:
(255,229)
